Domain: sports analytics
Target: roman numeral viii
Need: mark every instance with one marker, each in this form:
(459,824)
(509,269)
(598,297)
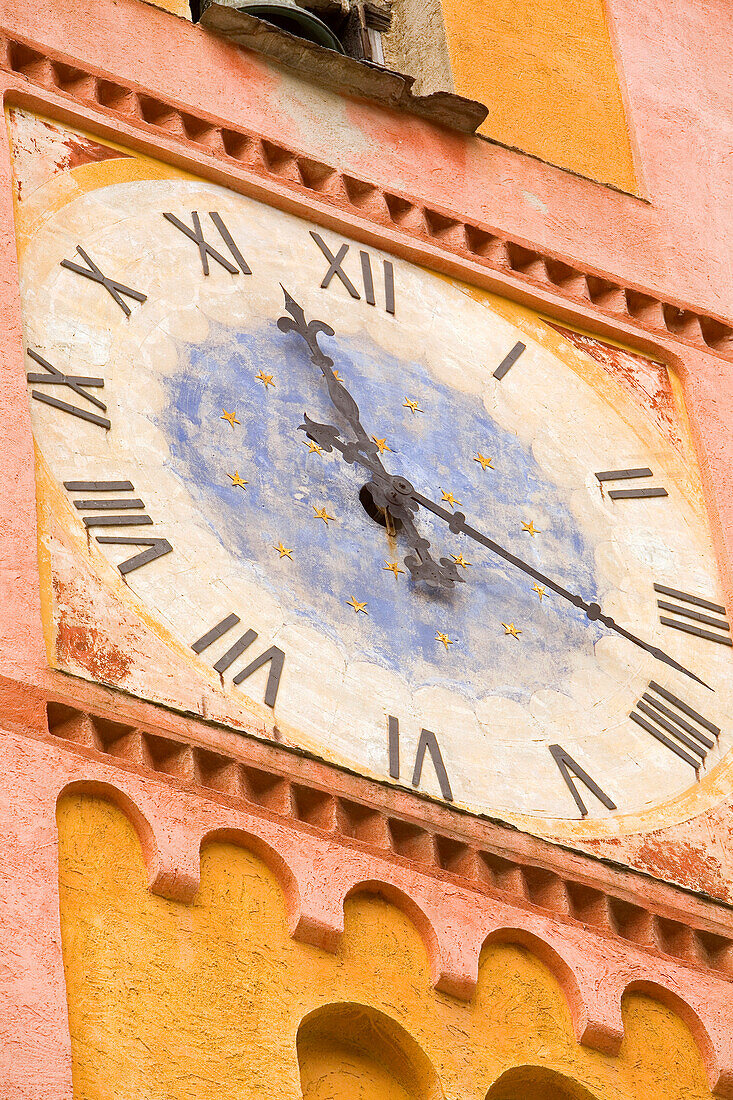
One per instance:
(675,725)
(678,604)
(116,511)
(273,655)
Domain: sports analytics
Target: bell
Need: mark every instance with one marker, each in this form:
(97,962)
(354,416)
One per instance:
(289,16)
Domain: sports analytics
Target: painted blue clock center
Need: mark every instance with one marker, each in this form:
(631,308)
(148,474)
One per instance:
(345,558)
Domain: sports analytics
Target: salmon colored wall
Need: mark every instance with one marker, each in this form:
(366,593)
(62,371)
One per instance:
(547,73)
(206,999)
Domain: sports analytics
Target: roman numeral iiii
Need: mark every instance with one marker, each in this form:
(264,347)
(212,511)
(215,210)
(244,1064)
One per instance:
(676,725)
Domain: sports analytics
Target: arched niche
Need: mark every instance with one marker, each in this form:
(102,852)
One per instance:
(537,1083)
(354,1052)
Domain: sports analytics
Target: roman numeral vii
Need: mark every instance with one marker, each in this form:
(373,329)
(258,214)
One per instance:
(274,656)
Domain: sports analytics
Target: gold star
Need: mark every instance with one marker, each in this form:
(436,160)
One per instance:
(265,379)
(353,602)
(321,513)
(510,628)
(449,498)
(539,590)
(236,480)
(460,560)
(439,637)
(313,448)
(393,567)
(230,417)
(381,445)
(486,463)
(413,406)
(530,528)
(283,551)
(337,376)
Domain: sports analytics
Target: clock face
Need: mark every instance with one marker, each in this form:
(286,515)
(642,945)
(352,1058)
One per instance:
(466,645)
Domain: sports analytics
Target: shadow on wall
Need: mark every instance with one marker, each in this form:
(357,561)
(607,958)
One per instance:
(350,1050)
(536,1083)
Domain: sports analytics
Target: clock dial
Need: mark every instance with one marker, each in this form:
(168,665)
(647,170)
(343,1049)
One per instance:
(528,623)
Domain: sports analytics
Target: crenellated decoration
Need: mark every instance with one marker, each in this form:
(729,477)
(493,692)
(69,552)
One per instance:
(485,246)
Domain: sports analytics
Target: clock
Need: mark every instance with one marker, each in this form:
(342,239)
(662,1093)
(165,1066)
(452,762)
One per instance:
(379,515)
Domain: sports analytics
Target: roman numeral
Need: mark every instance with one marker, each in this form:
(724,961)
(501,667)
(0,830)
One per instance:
(628,475)
(428,743)
(76,383)
(676,725)
(273,655)
(196,235)
(115,288)
(108,511)
(509,360)
(335,267)
(571,770)
(722,627)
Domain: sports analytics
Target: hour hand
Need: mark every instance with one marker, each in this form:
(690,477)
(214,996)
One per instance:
(328,437)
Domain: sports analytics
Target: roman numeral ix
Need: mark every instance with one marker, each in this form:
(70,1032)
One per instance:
(367,275)
(675,725)
(629,475)
(74,382)
(428,742)
(115,288)
(720,634)
(273,655)
(195,234)
(108,511)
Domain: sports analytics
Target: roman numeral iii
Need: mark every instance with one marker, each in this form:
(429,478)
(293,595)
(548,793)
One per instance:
(682,605)
(273,655)
(676,725)
(116,511)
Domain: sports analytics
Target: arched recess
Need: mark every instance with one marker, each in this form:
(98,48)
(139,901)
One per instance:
(271,858)
(561,971)
(692,1021)
(537,1083)
(353,1050)
(412,910)
(151,854)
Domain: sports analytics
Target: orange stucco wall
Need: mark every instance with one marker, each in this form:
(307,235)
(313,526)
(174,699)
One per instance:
(206,999)
(547,72)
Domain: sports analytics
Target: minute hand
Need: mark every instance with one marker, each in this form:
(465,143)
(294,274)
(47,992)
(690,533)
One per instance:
(457,523)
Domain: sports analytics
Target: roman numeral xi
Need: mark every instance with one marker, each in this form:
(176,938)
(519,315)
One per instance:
(116,511)
(274,656)
(196,234)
